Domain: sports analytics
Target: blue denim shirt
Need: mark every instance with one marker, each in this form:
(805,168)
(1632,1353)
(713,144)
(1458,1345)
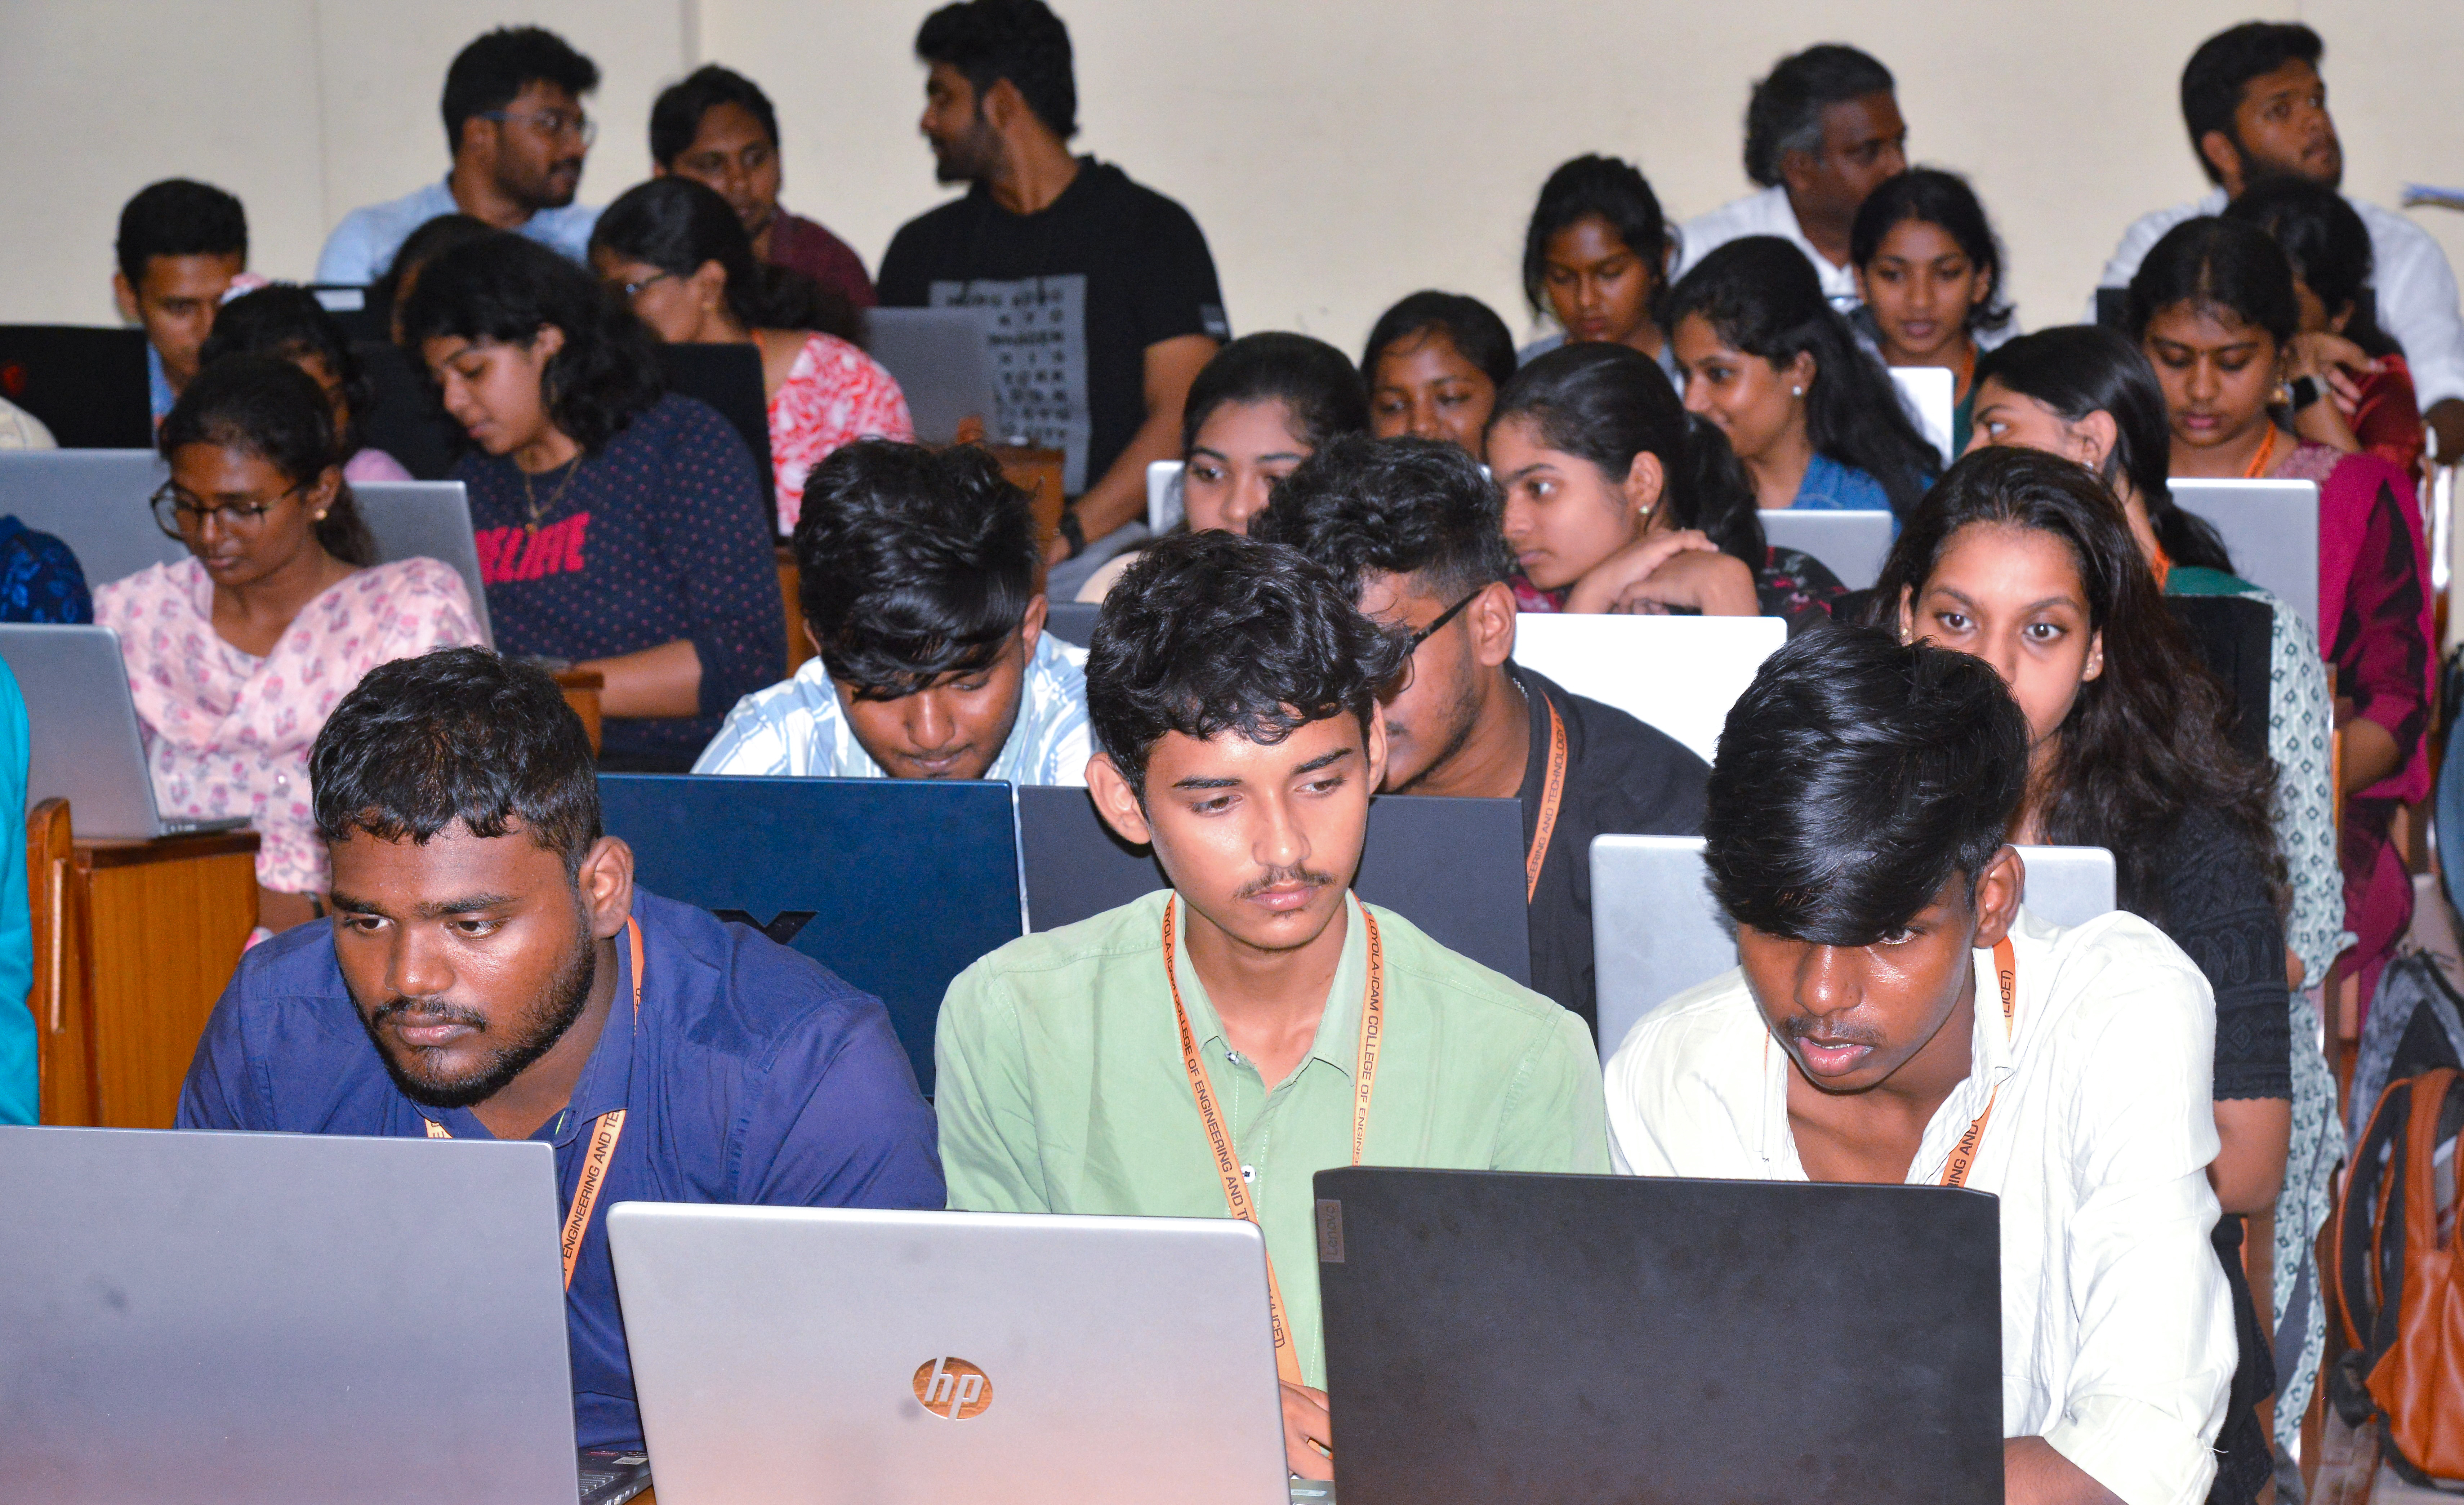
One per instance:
(1830,486)
(752,1075)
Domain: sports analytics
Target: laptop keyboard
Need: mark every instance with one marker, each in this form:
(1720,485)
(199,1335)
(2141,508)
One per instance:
(613,1476)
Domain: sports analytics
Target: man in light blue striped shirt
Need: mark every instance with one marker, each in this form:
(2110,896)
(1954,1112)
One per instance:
(918,578)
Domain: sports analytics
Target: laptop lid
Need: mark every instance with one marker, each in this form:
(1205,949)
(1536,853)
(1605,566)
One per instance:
(728,377)
(1073,622)
(1164,507)
(230,1318)
(1679,674)
(1452,867)
(431,520)
(1853,545)
(1931,395)
(84,743)
(94,501)
(89,385)
(1495,1336)
(2270,529)
(942,359)
(897,885)
(1656,930)
(854,1357)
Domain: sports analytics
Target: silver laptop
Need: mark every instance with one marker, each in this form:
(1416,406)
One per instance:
(1854,545)
(854,1357)
(2270,529)
(431,520)
(82,723)
(1657,931)
(93,500)
(224,1318)
(943,360)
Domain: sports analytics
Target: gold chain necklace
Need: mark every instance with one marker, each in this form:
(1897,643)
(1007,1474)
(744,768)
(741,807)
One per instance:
(533,507)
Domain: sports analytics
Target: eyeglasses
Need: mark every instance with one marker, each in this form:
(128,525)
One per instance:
(550,122)
(633,289)
(1443,617)
(180,517)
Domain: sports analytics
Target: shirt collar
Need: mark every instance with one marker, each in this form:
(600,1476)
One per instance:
(1338,1042)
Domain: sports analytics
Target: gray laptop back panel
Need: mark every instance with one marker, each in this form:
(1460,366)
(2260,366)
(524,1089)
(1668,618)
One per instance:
(2270,529)
(1657,931)
(93,500)
(431,520)
(943,360)
(777,1354)
(215,1318)
(85,746)
(1853,545)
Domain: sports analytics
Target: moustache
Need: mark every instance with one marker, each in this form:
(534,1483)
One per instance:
(429,1011)
(1284,877)
(1805,1026)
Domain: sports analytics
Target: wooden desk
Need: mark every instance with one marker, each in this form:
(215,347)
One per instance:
(582,688)
(134,941)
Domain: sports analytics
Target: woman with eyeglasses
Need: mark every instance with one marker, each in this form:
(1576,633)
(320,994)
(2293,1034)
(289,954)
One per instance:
(237,654)
(679,256)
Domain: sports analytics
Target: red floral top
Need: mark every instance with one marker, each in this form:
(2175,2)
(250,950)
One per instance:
(834,393)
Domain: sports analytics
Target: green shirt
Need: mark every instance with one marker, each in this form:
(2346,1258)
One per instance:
(1061,1089)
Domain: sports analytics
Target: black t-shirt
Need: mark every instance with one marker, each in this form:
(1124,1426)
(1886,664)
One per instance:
(1078,292)
(2208,893)
(1622,778)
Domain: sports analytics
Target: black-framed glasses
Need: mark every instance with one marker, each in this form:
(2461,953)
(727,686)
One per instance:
(180,517)
(1443,617)
(550,122)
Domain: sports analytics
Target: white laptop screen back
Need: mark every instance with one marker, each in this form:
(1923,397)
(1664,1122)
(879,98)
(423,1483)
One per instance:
(2270,529)
(1679,674)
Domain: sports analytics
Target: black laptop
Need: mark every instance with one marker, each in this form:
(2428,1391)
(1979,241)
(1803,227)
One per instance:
(88,385)
(1581,1339)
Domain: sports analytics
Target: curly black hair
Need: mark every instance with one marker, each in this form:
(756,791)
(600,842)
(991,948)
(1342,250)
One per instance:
(1214,631)
(1020,40)
(912,564)
(508,288)
(265,405)
(1401,506)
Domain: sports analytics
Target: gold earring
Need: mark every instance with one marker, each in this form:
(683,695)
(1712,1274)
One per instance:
(321,516)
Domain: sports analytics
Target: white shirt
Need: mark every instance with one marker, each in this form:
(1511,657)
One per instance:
(2117,1332)
(20,430)
(798,729)
(1765,214)
(2416,289)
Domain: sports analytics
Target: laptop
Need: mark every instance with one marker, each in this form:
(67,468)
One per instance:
(87,385)
(1853,545)
(1679,673)
(94,501)
(942,359)
(1164,509)
(1657,931)
(860,1357)
(728,377)
(1929,393)
(1500,1336)
(431,520)
(224,1317)
(86,746)
(2270,529)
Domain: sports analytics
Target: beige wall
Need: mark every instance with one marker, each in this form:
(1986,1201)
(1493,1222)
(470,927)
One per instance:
(1338,155)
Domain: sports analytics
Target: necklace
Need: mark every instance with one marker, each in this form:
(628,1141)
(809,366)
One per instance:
(536,510)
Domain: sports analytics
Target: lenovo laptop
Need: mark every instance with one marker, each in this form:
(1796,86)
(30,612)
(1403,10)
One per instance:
(86,747)
(1580,1339)
(219,1318)
(857,1356)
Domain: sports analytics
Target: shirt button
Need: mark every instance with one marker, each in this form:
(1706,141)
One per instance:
(1233,1056)
(1250,1174)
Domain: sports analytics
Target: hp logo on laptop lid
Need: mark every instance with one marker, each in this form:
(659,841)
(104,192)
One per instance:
(953,1387)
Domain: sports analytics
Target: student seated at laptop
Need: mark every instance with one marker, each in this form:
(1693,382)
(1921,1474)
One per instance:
(288,321)
(492,971)
(237,654)
(182,246)
(919,580)
(1897,1018)
(1253,1004)
(1410,528)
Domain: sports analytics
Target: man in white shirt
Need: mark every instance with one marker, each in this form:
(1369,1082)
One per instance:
(1896,1018)
(919,577)
(515,125)
(1821,133)
(2257,108)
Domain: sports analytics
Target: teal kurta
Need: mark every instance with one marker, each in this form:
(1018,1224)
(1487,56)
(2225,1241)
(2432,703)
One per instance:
(19,1081)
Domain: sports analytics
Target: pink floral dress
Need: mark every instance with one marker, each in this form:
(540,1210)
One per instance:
(833,394)
(227,733)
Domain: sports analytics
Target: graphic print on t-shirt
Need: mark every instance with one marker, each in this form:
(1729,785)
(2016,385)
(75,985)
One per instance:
(1039,362)
(511,554)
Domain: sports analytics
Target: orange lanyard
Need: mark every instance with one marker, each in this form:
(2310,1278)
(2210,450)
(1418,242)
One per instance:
(2257,468)
(1963,1155)
(1552,789)
(604,1131)
(1219,1138)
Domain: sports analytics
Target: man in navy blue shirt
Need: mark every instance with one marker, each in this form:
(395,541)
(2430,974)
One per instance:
(492,971)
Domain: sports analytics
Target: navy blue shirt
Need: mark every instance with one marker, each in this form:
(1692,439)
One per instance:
(754,1076)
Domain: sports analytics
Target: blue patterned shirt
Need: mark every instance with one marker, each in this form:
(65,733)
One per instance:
(39,578)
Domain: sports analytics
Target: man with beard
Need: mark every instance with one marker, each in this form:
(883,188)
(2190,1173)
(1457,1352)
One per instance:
(1101,292)
(491,972)
(518,134)
(1203,1052)
(2256,109)
(1409,527)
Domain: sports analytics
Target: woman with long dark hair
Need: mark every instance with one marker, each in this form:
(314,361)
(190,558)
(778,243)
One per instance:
(1815,420)
(1617,500)
(237,654)
(2213,307)
(620,530)
(681,259)
(1929,269)
(2024,560)
(1595,258)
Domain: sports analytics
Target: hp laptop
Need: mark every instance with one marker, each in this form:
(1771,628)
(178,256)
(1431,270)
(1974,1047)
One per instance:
(943,360)
(2270,529)
(86,745)
(854,1357)
(219,1318)
(1853,545)
(1578,1338)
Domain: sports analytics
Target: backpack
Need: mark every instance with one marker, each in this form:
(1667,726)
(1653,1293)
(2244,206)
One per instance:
(2396,1281)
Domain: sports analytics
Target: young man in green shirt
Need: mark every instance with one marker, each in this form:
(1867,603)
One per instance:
(1232,686)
